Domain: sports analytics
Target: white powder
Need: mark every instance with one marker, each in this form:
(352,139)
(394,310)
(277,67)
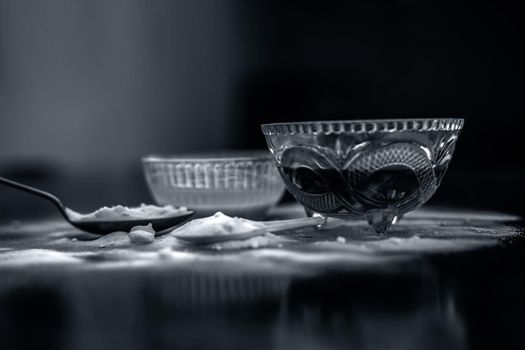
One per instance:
(218,225)
(263,241)
(36,256)
(142,234)
(120,212)
(139,235)
(114,239)
(341,239)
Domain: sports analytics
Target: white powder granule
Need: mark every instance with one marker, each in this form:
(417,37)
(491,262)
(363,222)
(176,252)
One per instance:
(142,234)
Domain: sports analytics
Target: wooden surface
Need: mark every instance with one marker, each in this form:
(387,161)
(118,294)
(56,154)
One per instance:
(347,243)
(315,289)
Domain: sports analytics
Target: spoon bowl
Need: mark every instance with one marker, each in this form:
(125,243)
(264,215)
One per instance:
(102,227)
(105,227)
(268,226)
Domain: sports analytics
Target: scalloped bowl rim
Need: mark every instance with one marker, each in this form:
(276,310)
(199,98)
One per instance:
(364,126)
(359,121)
(229,156)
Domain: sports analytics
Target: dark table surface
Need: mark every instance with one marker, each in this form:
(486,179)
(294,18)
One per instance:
(441,279)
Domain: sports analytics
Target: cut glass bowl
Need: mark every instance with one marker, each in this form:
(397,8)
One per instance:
(236,183)
(373,169)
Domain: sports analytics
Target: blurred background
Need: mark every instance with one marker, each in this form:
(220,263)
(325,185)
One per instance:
(88,87)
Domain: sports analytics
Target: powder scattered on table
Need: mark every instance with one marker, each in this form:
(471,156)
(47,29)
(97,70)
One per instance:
(264,241)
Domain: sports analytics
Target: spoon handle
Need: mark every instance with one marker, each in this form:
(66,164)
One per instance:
(36,192)
(283,225)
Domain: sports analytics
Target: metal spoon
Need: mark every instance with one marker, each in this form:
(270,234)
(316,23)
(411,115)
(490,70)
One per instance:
(106,226)
(269,226)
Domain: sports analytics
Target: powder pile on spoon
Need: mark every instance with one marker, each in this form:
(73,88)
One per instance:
(221,231)
(120,212)
(218,227)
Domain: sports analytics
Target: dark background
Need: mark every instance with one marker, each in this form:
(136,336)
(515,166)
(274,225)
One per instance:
(88,87)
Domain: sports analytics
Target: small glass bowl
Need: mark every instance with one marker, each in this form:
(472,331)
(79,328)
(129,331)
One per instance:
(243,184)
(374,169)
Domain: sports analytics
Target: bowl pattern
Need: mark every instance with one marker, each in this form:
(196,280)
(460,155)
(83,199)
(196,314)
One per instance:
(245,185)
(377,169)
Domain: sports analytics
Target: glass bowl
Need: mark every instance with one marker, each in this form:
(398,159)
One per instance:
(242,183)
(373,169)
